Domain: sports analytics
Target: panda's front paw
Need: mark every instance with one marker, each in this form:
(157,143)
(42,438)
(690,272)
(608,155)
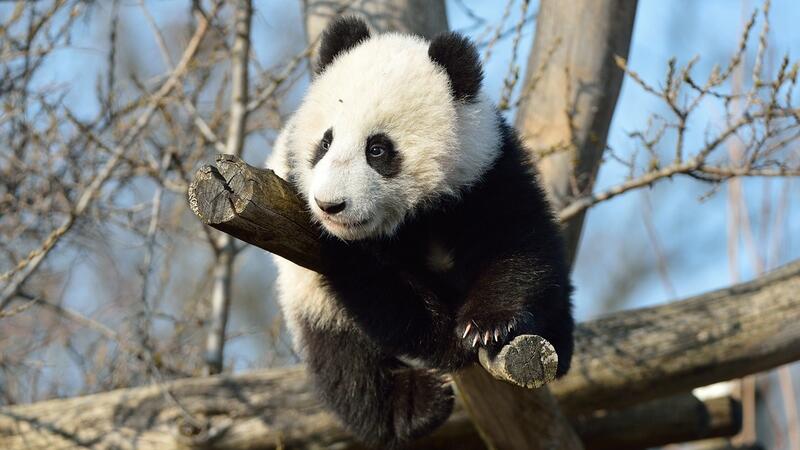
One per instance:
(491,329)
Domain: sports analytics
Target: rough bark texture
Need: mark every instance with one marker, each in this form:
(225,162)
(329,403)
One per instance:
(568,115)
(744,329)
(272,409)
(423,17)
(647,353)
(680,418)
(256,206)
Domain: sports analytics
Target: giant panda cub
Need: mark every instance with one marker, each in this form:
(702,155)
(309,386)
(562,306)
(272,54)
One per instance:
(437,237)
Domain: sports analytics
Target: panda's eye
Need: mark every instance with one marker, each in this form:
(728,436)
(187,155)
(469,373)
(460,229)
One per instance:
(322,147)
(376,151)
(381,155)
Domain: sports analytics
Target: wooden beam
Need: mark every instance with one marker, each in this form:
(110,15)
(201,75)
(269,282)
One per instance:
(272,409)
(621,359)
(636,355)
(679,418)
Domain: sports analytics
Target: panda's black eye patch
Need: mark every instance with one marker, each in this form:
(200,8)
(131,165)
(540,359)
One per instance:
(322,147)
(382,156)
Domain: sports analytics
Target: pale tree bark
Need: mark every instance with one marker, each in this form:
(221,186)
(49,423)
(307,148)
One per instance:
(224,248)
(564,121)
(746,328)
(274,409)
(423,17)
(620,359)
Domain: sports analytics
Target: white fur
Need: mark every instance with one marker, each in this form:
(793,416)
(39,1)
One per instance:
(389,85)
(386,85)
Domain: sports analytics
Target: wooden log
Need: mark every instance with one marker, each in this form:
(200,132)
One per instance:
(565,121)
(258,207)
(646,353)
(274,409)
(679,418)
(723,444)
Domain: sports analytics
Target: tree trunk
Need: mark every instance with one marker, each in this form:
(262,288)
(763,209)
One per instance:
(426,18)
(564,121)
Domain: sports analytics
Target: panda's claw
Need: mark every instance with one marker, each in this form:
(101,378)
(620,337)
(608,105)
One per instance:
(492,331)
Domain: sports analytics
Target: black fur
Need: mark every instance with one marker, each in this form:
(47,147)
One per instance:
(381,400)
(389,162)
(459,58)
(342,34)
(509,270)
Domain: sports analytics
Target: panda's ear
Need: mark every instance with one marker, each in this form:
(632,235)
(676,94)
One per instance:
(342,34)
(459,58)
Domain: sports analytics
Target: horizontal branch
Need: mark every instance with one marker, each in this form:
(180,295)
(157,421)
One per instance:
(272,409)
(646,353)
(680,418)
(258,207)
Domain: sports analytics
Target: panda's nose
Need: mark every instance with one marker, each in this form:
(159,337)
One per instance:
(331,207)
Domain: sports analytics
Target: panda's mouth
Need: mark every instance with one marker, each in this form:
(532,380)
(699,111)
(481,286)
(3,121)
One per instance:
(346,224)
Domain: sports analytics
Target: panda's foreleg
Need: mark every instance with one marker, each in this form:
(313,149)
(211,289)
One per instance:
(380,400)
(402,311)
(524,292)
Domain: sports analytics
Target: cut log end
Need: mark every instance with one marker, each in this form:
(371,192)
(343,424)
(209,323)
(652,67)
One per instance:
(210,197)
(528,360)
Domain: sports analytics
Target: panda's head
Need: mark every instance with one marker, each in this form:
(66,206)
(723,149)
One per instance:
(390,124)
